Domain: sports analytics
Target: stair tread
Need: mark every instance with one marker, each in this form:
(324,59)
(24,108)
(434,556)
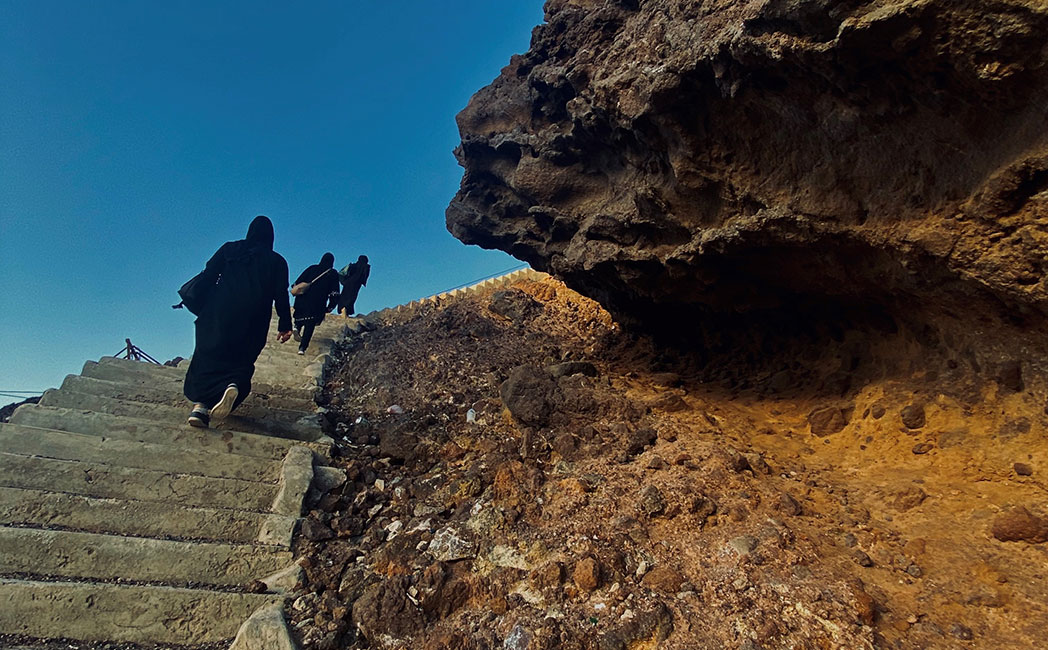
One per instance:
(63,445)
(157,519)
(99,480)
(123,613)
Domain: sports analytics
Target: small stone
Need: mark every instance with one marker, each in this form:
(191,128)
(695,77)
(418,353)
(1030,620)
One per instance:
(757,464)
(909,498)
(1022,469)
(447,545)
(914,571)
(913,416)
(743,544)
(850,541)
(702,507)
(639,440)
(877,411)
(789,505)
(962,632)
(923,448)
(587,574)
(865,606)
(1010,376)
(669,435)
(257,587)
(664,579)
(826,420)
(652,503)
(1020,525)
(315,531)
(861,558)
(669,402)
(547,576)
(656,462)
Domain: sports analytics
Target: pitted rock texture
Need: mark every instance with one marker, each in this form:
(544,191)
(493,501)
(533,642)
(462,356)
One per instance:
(738,155)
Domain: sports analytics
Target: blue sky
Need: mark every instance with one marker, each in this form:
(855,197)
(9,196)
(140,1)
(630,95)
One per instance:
(137,137)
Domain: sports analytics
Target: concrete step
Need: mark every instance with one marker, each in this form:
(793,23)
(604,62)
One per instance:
(98,480)
(43,509)
(125,614)
(168,395)
(48,443)
(148,431)
(150,375)
(287,361)
(65,554)
(171,371)
(275,422)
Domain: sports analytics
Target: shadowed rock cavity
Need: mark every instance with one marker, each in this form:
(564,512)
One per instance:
(702,165)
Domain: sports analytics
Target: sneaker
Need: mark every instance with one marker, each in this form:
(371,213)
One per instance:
(301,351)
(199,418)
(225,405)
(295,335)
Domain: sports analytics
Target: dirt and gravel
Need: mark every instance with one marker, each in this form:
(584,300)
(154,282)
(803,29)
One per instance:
(523,474)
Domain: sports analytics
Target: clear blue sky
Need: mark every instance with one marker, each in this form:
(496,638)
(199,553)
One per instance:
(137,137)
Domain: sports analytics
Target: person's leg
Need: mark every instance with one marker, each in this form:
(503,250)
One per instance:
(307,334)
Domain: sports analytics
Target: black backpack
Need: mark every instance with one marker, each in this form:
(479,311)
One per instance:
(195,293)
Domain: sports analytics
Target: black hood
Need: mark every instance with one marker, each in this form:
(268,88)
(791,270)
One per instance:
(327,261)
(260,233)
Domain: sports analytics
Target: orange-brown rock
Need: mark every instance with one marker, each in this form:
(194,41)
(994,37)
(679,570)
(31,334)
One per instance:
(1020,525)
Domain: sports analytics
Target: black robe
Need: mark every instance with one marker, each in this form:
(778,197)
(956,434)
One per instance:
(322,295)
(233,325)
(355,277)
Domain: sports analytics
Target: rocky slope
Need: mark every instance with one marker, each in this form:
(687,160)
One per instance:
(787,159)
(605,493)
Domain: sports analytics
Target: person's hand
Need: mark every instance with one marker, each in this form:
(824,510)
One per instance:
(284,336)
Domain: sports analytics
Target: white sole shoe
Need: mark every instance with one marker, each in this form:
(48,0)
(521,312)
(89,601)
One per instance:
(225,406)
(295,335)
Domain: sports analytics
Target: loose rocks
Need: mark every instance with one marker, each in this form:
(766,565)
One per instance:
(587,574)
(529,394)
(913,416)
(651,502)
(826,420)
(1020,525)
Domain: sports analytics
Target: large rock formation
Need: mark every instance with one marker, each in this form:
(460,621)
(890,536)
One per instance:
(703,156)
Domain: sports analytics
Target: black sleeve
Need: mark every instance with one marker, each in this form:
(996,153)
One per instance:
(215,265)
(367,274)
(302,276)
(333,292)
(280,298)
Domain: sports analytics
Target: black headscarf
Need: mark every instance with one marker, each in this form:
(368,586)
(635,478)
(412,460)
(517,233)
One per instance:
(327,261)
(260,233)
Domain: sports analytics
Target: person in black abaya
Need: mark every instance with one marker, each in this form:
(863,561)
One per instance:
(352,277)
(320,298)
(233,324)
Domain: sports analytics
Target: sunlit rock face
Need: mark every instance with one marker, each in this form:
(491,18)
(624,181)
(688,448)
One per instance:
(678,159)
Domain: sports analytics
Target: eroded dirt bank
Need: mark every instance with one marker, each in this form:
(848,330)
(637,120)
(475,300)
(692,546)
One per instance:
(856,486)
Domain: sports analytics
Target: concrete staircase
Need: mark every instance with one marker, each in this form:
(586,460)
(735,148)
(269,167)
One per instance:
(120,523)
(385,316)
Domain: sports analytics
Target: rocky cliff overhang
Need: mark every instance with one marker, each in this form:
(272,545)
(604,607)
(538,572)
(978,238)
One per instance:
(669,157)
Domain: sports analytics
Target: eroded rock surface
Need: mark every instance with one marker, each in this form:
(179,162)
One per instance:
(662,155)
